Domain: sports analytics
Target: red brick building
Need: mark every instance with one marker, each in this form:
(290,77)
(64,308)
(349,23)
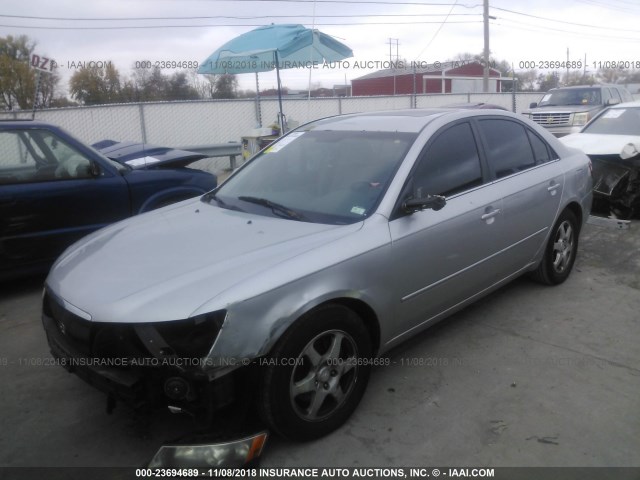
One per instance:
(449,77)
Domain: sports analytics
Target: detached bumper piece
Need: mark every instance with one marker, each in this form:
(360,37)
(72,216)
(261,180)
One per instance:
(616,185)
(244,452)
(143,365)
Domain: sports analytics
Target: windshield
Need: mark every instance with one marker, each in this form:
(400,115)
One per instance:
(572,96)
(616,121)
(335,177)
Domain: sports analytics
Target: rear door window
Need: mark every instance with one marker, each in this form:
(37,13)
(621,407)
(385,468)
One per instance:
(615,95)
(541,151)
(507,146)
(625,95)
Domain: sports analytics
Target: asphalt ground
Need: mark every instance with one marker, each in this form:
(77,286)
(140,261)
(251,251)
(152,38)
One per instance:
(528,376)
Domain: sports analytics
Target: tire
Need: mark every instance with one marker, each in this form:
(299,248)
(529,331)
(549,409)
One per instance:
(309,387)
(560,252)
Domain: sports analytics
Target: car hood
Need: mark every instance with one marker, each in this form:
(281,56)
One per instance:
(165,264)
(563,109)
(145,155)
(599,144)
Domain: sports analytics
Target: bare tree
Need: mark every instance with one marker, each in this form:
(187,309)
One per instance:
(18,81)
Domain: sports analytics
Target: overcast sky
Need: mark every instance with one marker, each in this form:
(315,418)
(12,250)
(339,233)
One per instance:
(428,31)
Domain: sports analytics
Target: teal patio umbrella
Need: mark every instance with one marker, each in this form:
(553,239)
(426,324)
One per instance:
(275,47)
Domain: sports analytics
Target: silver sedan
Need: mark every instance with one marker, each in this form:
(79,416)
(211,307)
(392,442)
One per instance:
(289,281)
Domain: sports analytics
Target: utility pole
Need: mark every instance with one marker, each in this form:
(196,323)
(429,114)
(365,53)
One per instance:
(391,51)
(485,73)
(584,75)
(567,82)
(391,64)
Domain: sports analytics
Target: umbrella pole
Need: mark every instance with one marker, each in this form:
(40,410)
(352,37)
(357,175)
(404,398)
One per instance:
(280,115)
(258,109)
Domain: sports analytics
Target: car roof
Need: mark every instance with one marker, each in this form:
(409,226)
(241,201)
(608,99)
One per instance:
(634,104)
(409,120)
(27,122)
(596,85)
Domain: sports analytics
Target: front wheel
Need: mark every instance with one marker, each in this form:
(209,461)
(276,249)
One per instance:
(316,374)
(560,252)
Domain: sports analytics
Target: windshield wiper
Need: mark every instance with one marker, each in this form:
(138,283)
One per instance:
(212,196)
(276,208)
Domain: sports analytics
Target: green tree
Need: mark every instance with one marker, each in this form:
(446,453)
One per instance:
(94,85)
(214,85)
(527,80)
(147,85)
(547,81)
(179,88)
(205,85)
(18,80)
(610,75)
(153,86)
(577,77)
(226,86)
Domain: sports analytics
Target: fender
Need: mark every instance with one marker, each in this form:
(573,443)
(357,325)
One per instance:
(170,195)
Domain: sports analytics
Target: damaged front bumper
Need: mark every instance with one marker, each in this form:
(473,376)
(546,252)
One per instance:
(142,365)
(616,185)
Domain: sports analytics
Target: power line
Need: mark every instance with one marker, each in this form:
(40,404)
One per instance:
(132,27)
(563,22)
(437,31)
(372,2)
(539,28)
(609,6)
(243,17)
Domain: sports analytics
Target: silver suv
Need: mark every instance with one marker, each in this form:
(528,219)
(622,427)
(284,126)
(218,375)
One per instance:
(566,110)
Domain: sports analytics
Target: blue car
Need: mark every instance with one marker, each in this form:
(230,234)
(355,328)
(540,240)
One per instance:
(54,189)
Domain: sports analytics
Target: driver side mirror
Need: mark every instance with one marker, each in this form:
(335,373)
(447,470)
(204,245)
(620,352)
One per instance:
(94,169)
(418,202)
(533,105)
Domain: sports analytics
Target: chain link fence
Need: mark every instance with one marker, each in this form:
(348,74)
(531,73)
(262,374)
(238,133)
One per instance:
(180,124)
(202,123)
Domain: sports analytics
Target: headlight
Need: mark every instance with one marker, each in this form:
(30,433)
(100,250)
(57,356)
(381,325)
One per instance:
(189,338)
(232,454)
(193,337)
(580,118)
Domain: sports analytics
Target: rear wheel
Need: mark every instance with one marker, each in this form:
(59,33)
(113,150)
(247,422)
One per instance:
(560,252)
(316,374)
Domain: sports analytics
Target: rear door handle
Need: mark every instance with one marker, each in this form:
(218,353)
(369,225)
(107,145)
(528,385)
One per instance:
(552,188)
(490,214)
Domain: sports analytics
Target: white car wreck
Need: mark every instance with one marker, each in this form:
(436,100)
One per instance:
(612,141)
